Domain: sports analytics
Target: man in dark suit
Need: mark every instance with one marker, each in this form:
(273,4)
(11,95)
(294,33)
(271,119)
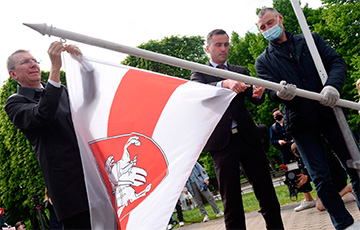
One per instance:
(236,141)
(279,138)
(42,112)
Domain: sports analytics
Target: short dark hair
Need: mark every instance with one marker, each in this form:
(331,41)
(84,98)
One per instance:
(274,110)
(212,33)
(17,225)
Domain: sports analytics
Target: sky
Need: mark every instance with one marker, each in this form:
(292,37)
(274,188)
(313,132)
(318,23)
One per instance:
(130,23)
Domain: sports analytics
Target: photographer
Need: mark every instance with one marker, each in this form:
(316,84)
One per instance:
(302,183)
(338,175)
(279,138)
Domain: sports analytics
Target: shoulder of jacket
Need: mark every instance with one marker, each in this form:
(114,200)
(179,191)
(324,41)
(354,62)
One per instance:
(238,68)
(298,37)
(262,55)
(15,96)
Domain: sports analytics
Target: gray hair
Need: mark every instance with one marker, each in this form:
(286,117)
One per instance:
(10,62)
(267,9)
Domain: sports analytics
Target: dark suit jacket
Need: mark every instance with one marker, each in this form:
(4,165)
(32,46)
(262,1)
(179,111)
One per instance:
(236,111)
(45,119)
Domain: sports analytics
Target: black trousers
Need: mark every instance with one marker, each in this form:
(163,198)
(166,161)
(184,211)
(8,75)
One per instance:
(79,221)
(253,161)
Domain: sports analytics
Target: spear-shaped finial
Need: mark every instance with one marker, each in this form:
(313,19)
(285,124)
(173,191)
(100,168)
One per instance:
(42,28)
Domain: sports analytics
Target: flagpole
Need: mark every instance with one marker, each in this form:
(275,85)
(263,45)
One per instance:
(344,126)
(64,34)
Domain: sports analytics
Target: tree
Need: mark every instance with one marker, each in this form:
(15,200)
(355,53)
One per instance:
(187,48)
(20,173)
(338,22)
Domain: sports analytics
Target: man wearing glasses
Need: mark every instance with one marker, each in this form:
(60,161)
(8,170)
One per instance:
(42,112)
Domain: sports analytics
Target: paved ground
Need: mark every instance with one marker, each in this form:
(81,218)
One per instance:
(310,219)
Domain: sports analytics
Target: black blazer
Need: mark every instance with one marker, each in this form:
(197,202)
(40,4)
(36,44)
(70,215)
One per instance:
(45,119)
(236,111)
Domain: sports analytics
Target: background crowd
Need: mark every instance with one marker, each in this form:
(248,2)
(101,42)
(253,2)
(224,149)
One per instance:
(236,56)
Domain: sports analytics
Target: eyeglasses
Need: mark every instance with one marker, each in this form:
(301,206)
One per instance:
(27,61)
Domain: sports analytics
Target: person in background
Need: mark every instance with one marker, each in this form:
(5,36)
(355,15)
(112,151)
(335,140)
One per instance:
(197,185)
(3,219)
(54,223)
(303,182)
(287,61)
(279,138)
(338,177)
(42,112)
(180,217)
(20,225)
(236,141)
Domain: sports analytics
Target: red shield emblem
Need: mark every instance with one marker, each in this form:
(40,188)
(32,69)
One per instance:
(132,166)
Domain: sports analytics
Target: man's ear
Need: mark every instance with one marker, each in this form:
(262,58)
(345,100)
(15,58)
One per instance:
(281,18)
(13,74)
(207,49)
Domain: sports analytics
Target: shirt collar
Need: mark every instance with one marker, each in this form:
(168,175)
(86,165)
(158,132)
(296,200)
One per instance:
(215,65)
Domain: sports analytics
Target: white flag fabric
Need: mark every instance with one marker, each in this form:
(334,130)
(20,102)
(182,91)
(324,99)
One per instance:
(140,134)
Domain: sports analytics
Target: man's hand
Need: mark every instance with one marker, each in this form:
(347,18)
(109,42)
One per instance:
(281,142)
(302,179)
(72,49)
(206,181)
(330,96)
(258,91)
(54,52)
(235,86)
(287,92)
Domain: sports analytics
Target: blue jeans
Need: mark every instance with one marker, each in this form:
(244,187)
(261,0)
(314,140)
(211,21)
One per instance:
(312,151)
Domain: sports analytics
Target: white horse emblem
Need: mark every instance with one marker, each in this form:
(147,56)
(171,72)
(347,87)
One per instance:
(123,176)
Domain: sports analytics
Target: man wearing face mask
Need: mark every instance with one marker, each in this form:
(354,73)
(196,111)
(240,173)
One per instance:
(279,138)
(287,61)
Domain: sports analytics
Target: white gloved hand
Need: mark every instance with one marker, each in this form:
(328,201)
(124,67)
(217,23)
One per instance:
(330,96)
(287,92)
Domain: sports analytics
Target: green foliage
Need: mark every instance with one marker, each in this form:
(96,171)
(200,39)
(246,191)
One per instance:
(338,23)
(187,48)
(20,173)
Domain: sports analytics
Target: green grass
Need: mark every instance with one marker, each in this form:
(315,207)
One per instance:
(249,201)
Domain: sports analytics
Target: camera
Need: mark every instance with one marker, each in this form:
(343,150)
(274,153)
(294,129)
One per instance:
(39,215)
(35,199)
(291,177)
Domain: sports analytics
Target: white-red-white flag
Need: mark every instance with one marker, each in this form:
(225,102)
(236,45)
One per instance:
(140,134)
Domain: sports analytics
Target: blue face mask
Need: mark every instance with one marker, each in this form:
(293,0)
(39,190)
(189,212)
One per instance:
(273,33)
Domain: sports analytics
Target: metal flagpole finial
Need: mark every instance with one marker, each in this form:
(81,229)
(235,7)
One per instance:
(42,28)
